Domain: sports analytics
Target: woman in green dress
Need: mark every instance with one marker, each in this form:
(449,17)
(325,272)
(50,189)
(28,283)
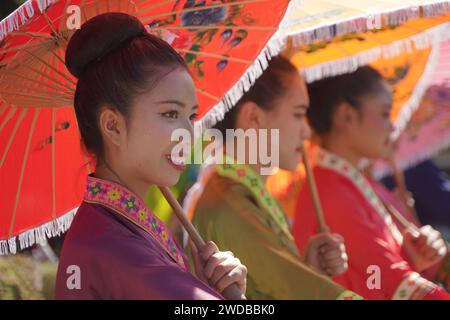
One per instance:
(231,206)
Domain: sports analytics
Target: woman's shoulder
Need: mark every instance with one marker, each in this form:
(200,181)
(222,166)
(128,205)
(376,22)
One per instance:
(223,198)
(98,232)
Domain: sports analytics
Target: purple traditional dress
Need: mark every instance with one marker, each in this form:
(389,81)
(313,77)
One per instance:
(117,248)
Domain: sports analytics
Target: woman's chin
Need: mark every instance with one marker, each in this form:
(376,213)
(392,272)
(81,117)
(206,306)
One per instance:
(168,179)
(171,181)
(290,165)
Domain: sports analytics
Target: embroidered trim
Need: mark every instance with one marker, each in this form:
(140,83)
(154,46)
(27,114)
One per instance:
(250,180)
(348,295)
(130,206)
(341,166)
(413,287)
(246,176)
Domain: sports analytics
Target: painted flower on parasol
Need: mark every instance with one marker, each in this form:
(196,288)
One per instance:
(42,161)
(204,17)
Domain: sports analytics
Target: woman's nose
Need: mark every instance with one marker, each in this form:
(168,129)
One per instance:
(306,130)
(188,125)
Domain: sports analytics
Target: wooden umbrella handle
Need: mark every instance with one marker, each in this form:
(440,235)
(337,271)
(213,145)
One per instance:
(399,178)
(233,290)
(314,193)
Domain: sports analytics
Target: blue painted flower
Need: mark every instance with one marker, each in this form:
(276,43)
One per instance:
(226,35)
(203,17)
(221,65)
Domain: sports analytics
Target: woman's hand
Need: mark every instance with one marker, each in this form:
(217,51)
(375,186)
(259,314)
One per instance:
(326,254)
(426,248)
(220,270)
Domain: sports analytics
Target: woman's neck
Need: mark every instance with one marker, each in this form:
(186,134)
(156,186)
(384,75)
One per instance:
(104,171)
(255,166)
(340,148)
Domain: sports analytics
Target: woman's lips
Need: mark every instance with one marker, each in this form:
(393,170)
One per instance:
(177,166)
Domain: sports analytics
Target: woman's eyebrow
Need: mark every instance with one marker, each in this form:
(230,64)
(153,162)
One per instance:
(301,106)
(178,103)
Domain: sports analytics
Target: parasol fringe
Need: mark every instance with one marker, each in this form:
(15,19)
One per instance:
(382,169)
(21,15)
(414,100)
(427,153)
(349,64)
(273,47)
(363,22)
(38,235)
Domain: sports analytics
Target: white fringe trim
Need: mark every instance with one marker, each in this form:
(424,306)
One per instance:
(364,22)
(414,100)
(21,15)
(427,38)
(426,153)
(273,47)
(38,235)
(382,169)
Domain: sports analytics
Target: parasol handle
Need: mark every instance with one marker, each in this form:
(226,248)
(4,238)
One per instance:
(404,192)
(399,217)
(314,193)
(399,179)
(231,291)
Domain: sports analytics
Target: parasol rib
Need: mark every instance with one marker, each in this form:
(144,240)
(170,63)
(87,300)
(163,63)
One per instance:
(13,134)
(22,170)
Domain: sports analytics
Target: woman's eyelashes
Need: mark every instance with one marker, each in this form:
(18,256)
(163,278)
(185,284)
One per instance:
(299,115)
(173,114)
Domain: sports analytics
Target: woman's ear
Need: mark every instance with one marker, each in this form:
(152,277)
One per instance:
(250,115)
(345,116)
(112,126)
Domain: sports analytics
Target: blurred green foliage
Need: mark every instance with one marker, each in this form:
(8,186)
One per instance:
(23,278)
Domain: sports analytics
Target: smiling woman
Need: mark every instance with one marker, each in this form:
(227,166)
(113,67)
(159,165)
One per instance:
(133,91)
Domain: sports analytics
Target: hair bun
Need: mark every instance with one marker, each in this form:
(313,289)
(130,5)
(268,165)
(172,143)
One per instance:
(99,36)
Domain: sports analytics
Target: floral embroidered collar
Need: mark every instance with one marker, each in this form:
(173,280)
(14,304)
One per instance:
(129,205)
(331,161)
(246,176)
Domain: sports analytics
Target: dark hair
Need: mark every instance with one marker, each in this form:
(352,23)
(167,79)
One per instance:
(326,94)
(266,90)
(114,58)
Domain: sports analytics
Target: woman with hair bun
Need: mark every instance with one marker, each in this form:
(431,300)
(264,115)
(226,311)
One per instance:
(133,90)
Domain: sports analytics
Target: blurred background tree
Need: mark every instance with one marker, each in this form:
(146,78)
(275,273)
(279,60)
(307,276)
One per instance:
(8,6)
